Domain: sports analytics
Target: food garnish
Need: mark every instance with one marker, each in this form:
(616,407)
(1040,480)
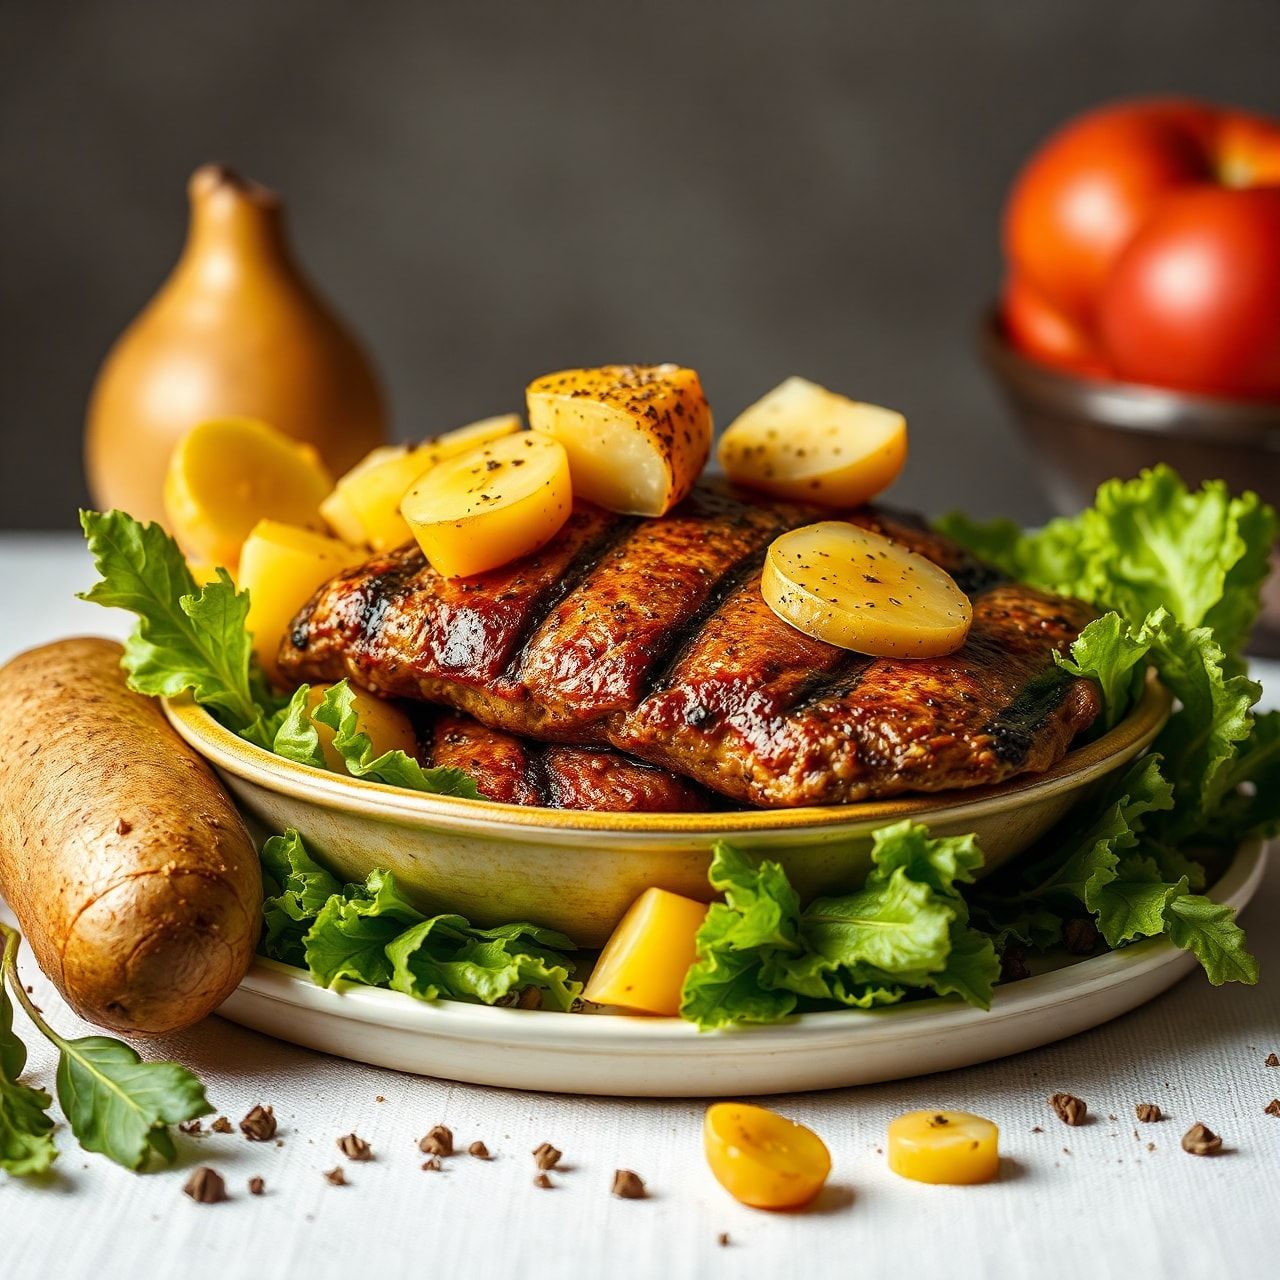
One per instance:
(1272,1060)
(479,1150)
(637,436)
(763,1159)
(858,590)
(1148,1112)
(114,1103)
(364,506)
(1069,1109)
(543,1182)
(355,1147)
(437,1142)
(256,1186)
(205,1186)
(386,727)
(1272,1108)
(628,1185)
(952,1147)
(804,442)
(643,965)
(335,1177)
(371,933)
(280,566)
(259,1125)
(1200,1140)
(490,505)
(221,1125)
(545,1156)
(227,474)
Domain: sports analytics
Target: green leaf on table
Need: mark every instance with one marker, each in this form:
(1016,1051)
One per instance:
(26,1142)
(299,888)
(120,1106)
(187,638)
(337,710)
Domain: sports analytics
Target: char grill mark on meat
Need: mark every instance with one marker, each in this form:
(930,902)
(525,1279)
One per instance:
(653,637)
(518,771)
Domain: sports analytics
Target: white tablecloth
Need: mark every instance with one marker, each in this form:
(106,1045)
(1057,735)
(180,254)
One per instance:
(1091,1201)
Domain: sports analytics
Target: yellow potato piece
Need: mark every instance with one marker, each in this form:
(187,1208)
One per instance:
(644,963)
(802,441)
(952,1147)
(763,1159)
(227,474)
(491,505)
(637,436)
(281,566)
(861,591)
(387,727)
(364,506)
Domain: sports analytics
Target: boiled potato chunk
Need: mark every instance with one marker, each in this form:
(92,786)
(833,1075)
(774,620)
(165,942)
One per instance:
(364,506)
(637,436)
(644,963)
(491,505)
(859,590)
(227,474)
(952,1147)
(387,727)
(763,1159)
(802,441)
(281,566)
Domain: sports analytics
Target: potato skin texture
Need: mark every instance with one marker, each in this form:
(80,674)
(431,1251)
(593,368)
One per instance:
(129,869)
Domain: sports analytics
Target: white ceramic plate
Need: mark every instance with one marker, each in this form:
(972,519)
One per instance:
(664,1057)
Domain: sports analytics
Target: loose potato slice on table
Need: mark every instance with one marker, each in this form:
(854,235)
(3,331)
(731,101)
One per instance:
(637,436)
(804,442)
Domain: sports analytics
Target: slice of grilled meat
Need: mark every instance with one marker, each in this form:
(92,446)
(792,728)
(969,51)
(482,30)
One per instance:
(652,636)
(519,771)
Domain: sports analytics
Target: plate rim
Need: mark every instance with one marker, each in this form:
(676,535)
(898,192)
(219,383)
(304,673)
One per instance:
(548,1030)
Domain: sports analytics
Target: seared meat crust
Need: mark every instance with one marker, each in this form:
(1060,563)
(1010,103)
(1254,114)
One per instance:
(652,637)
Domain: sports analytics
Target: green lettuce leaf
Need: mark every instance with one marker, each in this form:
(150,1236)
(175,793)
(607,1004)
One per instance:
(300,887)
(760,957)
(337,710)
(1208,929)
(187,638)
(349,937)
(292,733)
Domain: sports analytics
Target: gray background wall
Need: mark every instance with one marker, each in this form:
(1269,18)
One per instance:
(490,191)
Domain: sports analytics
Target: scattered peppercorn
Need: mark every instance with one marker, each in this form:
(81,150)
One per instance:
(544,1182)
(723,1239)
(256,1186)
(1069,1109)
(479,1150)
(431,1165)
(438,1142)
(205,1186)
(1272,1108)
(1148,1112)
(192,1127)
(354,1147)
(1200,1140)
(1272,1060)
(545,1156)
(259,1125)
(222,1125)
(628,1185)
(335,1177)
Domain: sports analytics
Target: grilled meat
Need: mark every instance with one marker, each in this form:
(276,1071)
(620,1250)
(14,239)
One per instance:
(519,771)
(652,636)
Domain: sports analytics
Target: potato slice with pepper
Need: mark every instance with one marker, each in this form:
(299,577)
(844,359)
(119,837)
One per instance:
(804,442)
(491,505)
(637,436)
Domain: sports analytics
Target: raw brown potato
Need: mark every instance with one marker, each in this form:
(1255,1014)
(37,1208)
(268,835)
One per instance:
(637,436)
(130,872)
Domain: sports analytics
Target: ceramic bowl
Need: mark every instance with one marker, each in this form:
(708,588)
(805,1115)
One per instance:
(579,871)
(1083,431)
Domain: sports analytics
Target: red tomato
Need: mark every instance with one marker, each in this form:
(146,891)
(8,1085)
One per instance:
(1085,209)
(1040,331)
(1091,186)
(1194,300)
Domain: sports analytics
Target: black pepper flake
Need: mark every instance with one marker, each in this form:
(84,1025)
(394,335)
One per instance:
(205,1186)
(1272,1108)
(723,1239)
(1272,1061)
